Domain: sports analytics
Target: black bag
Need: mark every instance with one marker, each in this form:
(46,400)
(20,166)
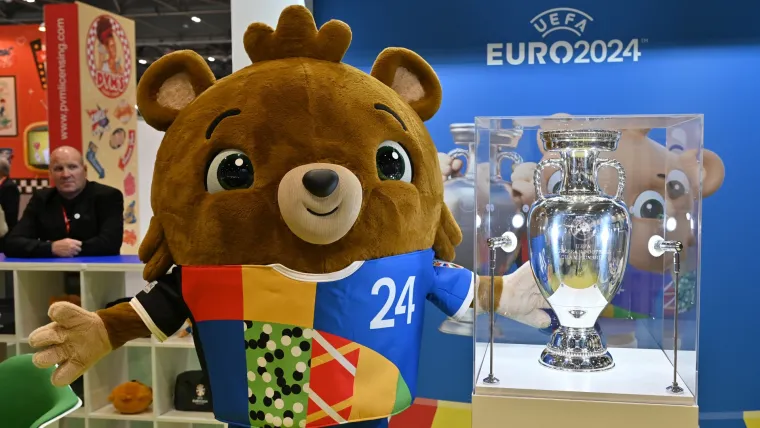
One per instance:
(192,392)
(7,318)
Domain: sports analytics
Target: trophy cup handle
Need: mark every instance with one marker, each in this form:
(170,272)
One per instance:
(513,156)
(557,163)
(612,163)
(461,153)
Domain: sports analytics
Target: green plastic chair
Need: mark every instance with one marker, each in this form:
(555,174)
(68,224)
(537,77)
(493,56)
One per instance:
(27,397)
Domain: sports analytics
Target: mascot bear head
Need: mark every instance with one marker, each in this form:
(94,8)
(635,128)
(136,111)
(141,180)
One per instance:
(297,159)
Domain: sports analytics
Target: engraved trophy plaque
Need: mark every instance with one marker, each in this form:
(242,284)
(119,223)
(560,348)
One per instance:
(578,241)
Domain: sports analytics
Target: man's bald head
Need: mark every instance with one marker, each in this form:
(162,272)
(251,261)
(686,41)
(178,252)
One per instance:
(68,171)
(66,154)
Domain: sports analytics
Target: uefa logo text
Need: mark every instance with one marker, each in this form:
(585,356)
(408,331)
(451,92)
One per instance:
(569,21)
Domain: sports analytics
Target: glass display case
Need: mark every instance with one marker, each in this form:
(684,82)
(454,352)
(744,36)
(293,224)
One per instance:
(601,314)
(459,197)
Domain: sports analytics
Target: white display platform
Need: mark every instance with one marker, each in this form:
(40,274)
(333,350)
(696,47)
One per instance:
(632,393)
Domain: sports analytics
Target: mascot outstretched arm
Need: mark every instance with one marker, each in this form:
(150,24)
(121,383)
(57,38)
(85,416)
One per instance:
(299,224)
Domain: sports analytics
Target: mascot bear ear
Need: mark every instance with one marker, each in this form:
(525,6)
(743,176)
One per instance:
(411,77)
(169,85)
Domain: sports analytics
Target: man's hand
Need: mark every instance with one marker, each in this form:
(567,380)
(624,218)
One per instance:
(66,247)
(75,340)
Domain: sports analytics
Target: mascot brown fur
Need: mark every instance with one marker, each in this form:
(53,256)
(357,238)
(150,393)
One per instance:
(291,170)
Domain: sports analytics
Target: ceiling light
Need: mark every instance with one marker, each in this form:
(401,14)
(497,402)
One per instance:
(30,1)
(195,19)
(211,59)
(142,61)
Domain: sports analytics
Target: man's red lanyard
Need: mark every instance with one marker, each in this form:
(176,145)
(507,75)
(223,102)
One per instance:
(66,220)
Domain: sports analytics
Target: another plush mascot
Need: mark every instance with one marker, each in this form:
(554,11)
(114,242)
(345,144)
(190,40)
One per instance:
(301,202)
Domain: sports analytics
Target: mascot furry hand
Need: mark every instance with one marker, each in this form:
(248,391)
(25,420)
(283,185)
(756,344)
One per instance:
(302,202)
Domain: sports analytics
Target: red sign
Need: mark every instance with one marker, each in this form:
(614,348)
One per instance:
(65,109)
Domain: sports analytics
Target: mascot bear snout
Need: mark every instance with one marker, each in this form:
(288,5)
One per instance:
(320,202)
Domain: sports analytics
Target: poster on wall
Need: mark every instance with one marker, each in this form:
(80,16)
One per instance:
(8,114)
(23,104)
(101,120)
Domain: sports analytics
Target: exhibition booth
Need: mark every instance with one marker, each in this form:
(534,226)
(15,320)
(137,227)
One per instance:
(585,241)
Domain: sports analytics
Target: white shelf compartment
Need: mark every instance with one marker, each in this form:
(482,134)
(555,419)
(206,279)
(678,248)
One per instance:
(146,359)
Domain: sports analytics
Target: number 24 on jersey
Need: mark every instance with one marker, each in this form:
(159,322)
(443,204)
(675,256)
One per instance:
(404,305)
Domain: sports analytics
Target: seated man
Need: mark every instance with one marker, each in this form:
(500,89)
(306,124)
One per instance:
(77,217)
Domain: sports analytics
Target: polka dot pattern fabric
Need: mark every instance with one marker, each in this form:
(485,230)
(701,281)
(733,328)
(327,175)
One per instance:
(278,360)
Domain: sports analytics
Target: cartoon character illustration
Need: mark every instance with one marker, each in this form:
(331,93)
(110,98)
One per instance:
(129,151)
(123,111)
(130,185)
(108,54)
(100,121)
(300,202)
(5,122)
(117,138)
(130,238)
(7,154)
(6,57)
(650,167)
(129,214)
(92,159)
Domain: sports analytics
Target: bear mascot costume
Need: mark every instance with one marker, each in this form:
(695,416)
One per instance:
(299,224)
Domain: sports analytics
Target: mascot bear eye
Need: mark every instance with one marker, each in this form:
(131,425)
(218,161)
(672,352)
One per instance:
(229,170)
(677,184)
(649,204)
(393,162)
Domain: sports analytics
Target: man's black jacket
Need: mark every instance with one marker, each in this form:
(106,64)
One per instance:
(9,200)
(96,218)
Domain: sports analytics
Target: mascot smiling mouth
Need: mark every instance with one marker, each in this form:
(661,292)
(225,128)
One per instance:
(320,202)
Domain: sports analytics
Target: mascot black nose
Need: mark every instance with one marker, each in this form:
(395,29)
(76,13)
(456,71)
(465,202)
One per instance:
(320,182)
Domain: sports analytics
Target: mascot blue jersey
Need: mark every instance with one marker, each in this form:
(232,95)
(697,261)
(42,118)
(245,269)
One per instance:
(285,348)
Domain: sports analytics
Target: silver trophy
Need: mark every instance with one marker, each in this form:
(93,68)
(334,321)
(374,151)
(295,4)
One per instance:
(579,241)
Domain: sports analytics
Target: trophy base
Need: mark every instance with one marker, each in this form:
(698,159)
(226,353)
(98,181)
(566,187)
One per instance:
(576,350)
